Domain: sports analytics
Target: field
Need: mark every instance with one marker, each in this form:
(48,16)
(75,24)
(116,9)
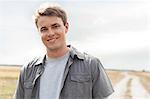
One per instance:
(8,80)
(9,75)
(115,76)
(144,78)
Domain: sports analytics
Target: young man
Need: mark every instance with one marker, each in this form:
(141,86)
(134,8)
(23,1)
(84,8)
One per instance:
(64,72)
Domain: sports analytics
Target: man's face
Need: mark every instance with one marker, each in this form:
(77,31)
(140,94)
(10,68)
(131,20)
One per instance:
(52,32)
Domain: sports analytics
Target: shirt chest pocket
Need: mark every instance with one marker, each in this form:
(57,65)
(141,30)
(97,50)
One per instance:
(80,78)
(78,85)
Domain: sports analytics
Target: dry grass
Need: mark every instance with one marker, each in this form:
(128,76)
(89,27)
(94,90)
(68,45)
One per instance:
(9,72)
(128,91)
(9,76)
(115,76)
(8,79)
(144,78)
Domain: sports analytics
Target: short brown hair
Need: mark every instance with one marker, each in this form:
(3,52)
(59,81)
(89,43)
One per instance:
(49,9)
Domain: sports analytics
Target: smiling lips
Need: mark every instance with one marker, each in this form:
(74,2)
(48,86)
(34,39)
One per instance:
(52,40)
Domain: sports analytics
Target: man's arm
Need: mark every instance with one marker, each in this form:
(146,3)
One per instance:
(102,87)
(105,98)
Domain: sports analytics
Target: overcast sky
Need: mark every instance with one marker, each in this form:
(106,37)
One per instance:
(115,31)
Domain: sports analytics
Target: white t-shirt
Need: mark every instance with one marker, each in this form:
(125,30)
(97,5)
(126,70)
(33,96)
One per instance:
(51,79)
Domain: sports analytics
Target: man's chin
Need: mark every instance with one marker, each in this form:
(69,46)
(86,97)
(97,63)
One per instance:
(52,48)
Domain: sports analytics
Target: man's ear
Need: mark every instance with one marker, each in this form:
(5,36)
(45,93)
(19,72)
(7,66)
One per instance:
(66,26)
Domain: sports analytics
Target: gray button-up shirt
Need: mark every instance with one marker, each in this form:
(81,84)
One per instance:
(84,78)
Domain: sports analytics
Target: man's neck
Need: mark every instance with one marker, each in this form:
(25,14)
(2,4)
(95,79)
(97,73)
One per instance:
(58,52)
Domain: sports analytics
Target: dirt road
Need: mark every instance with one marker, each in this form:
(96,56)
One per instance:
(130,87)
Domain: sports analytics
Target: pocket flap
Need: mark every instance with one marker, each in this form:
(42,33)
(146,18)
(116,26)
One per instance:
(28,85)
(80,78)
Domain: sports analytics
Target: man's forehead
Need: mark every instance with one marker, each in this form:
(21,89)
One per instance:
(49,21)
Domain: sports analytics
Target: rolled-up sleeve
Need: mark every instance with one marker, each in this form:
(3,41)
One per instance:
(102,86)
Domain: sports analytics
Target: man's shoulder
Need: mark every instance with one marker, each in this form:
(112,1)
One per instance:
(34,61)
(90,61)
(83,55)
(89,57)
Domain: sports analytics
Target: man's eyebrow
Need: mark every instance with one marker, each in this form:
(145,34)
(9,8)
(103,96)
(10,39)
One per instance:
(43,27)
(54,24)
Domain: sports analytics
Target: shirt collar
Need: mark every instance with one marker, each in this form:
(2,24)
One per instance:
(41,60)
(73,52)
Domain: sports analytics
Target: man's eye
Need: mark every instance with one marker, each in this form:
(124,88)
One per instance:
(56,26)
(44,29)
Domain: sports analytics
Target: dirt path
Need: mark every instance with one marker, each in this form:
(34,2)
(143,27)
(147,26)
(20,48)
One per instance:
(138,91)
(130,87)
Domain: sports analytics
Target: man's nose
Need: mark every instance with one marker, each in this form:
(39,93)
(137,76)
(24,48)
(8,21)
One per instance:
(50,32)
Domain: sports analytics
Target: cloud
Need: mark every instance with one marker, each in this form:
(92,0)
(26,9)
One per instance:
(110,29)
(133,60)
(102,18)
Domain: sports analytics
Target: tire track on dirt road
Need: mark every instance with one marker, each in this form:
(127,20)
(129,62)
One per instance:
(129,87)
(137,89)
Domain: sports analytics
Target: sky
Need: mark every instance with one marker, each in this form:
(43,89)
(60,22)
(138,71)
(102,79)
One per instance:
(115,31)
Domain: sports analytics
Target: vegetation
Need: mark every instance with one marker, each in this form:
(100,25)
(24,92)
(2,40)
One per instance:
(8,80)
(115,76)
(9,76)
(128,91)
(144,78)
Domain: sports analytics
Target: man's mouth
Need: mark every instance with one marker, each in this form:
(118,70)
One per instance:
(52,39)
